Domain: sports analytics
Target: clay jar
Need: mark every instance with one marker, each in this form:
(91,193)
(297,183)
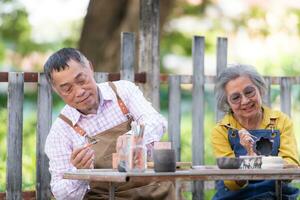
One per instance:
(263,146)
(164,160)
(251,162)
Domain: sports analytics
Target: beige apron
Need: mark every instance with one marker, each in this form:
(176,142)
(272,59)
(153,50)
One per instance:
(103,159)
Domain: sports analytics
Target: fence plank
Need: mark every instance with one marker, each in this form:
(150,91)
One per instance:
(198,111)
(221,65)
(285,96)
(149,48)
(101,77)
(174,114)
(127,56)
(267,97)
(44,120)
(14,138)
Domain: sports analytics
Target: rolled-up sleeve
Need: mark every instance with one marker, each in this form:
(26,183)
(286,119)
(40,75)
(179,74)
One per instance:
(58,150)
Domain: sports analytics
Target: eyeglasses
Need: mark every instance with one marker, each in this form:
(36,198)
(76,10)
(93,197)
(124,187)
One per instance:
(248,92)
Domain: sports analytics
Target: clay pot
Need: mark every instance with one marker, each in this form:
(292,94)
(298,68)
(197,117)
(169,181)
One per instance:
(229,163)
(263,146)
(251,162)
(272,162)
(164,160)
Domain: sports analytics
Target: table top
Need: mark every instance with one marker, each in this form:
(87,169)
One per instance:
(201,173)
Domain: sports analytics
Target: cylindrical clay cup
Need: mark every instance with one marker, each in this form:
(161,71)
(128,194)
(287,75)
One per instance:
(164,160)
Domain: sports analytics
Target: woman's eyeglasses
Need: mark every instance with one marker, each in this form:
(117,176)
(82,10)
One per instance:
(248,92)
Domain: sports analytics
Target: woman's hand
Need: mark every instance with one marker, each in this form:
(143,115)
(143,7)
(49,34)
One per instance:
(247,141)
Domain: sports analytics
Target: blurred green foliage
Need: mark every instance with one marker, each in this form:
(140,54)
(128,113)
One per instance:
(15,32)
(15,28)
(3,129)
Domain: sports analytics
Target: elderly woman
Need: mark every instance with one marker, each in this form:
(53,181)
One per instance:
(239,91)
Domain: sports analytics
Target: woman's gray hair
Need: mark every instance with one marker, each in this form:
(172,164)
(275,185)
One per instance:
(232,72)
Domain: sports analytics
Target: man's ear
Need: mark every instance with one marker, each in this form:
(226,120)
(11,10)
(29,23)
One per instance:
(91,66)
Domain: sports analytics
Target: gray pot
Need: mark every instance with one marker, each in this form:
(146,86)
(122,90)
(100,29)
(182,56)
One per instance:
(229,162)
(164,160)
(263,146)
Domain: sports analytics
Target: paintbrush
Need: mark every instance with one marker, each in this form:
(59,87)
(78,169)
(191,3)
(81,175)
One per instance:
(91,143)
(142,130)
(228,126)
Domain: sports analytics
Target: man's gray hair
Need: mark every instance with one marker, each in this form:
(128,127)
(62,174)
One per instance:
(58,61)
(232,72)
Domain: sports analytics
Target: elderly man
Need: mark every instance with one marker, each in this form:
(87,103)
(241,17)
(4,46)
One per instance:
(100,112)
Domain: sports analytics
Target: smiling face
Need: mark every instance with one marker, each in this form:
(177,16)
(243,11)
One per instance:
(243,97)
(77,87)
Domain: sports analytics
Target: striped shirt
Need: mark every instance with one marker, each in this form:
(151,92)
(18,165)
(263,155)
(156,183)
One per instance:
(62,139)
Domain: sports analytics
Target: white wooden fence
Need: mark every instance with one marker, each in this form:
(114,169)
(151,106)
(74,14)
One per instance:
(16,81)
(150,78)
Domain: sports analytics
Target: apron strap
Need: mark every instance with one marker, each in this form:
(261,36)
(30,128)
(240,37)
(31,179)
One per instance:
(120,101)
(272,124)
(76,128)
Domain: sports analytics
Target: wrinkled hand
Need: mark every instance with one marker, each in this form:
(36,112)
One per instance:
(83,158)
(247,141)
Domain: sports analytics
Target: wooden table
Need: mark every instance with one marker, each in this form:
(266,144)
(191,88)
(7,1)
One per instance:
(207,173)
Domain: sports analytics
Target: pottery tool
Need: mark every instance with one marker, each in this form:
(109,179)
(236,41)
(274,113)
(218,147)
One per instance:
(228,126)
(142,130)
(91,143)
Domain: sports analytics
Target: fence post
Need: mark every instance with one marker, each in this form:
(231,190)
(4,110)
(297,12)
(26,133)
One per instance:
(174,114)
(44,120)
(267,97)
(149,49)
(127,56)
(221,65)
(285,95)
(101,77)
(198,111)
(14,136)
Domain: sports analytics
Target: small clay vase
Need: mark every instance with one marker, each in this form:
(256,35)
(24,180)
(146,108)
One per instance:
(263,146)
(164,160)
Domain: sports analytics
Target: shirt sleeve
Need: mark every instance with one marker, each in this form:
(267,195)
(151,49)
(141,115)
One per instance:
(288,145)
(222,148)
(220,143)
(58,150)
(143,112)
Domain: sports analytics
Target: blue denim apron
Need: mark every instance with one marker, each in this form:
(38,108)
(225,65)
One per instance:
(256,189)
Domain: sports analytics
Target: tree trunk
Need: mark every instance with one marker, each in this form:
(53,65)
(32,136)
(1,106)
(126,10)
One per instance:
(103,24)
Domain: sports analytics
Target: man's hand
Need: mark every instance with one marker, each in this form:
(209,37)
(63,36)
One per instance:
(83,158)
(247,141)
